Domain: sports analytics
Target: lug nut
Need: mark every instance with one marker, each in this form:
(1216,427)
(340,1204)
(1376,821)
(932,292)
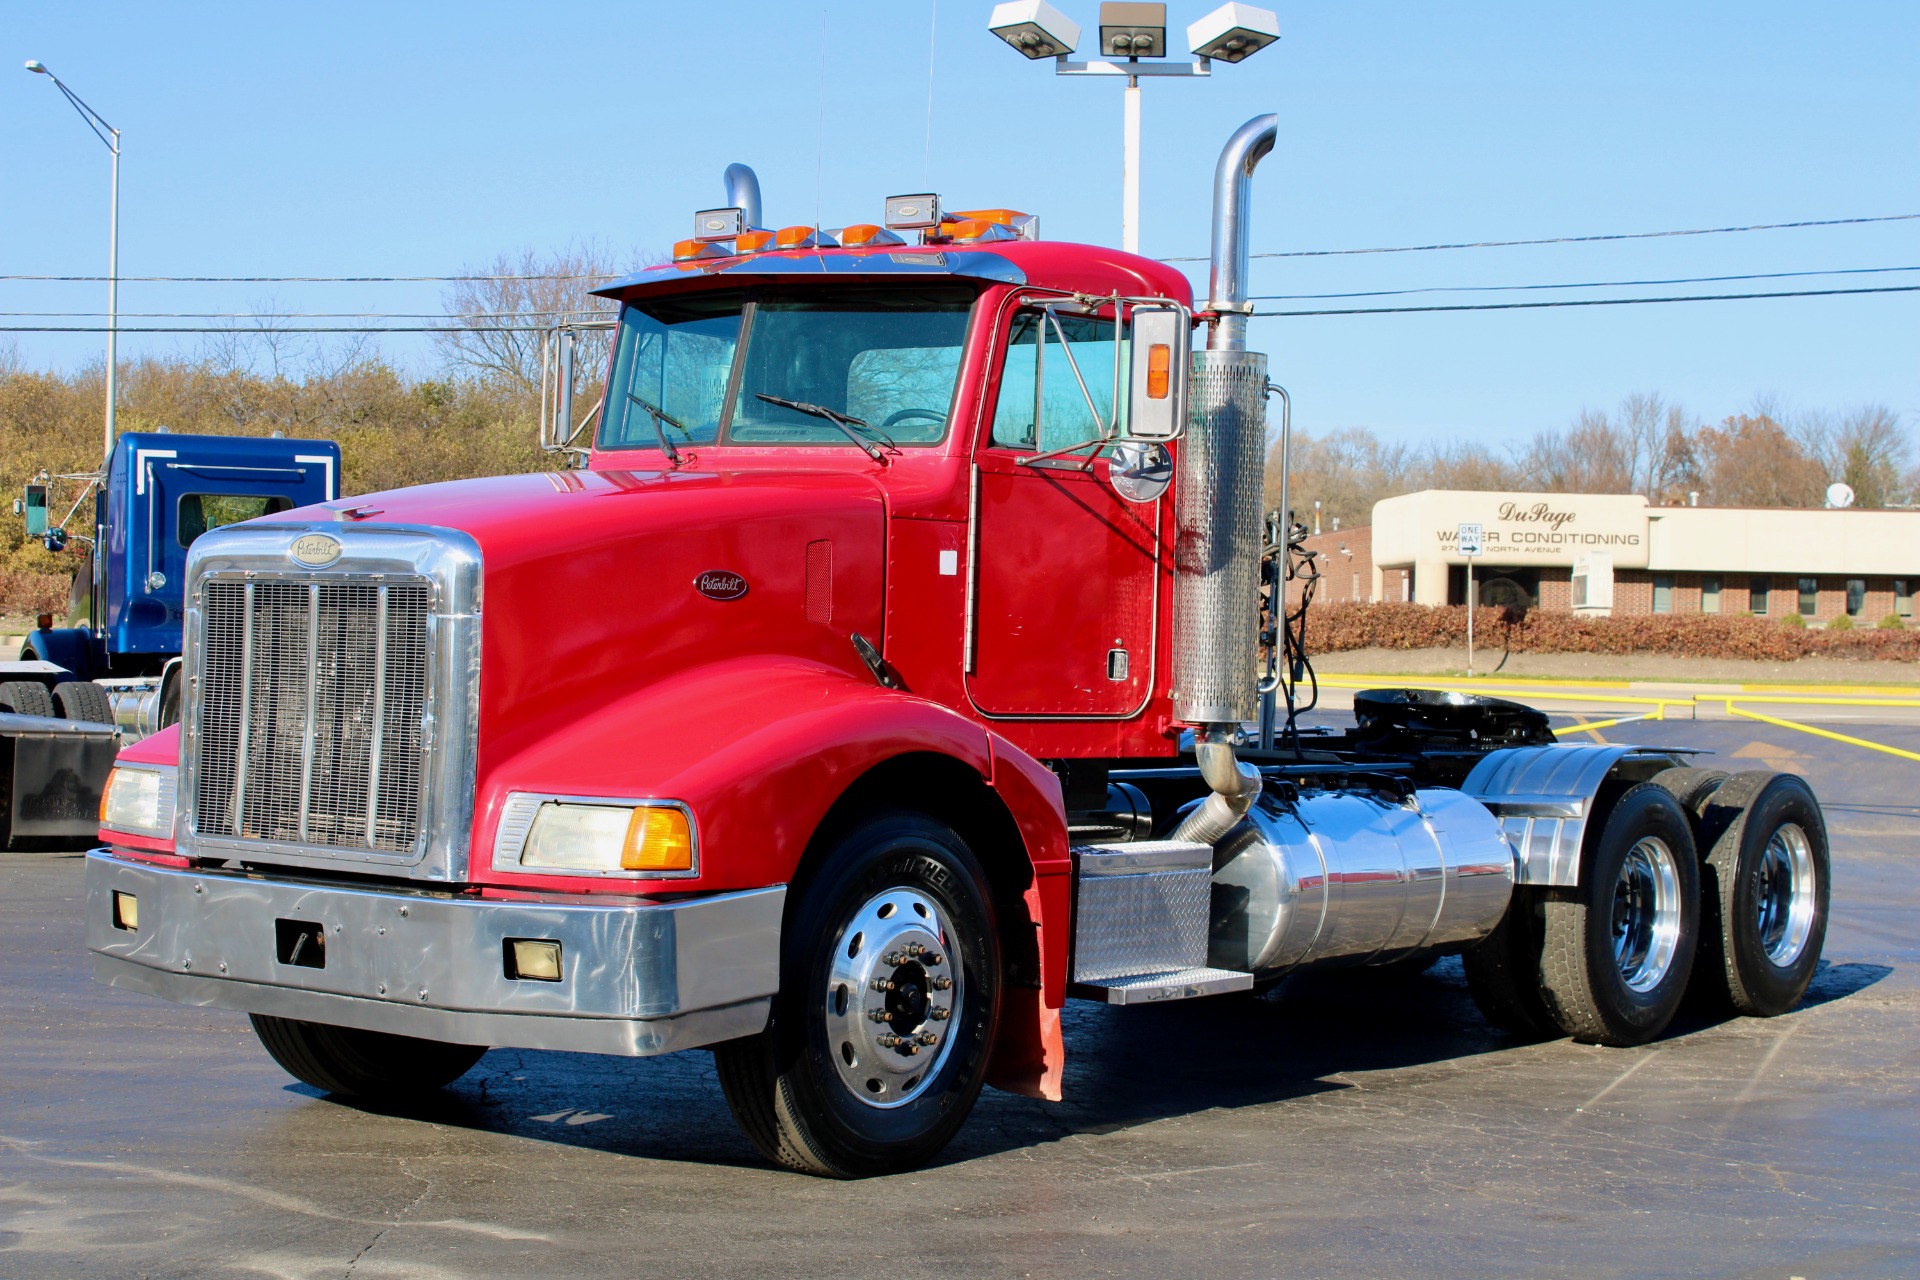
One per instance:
(893,958)
(939,1015)
(928,1038)
(878,1015)
(881,984)
(887,1042)
(915,949)
(934,957)
(941,984)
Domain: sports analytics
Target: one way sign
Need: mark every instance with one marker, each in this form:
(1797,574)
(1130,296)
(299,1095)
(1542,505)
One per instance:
(1471,536)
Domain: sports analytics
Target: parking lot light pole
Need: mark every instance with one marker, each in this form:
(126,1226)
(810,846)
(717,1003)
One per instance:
(111,136)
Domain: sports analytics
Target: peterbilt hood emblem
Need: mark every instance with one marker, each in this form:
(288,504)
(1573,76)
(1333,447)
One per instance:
(720,584)
(315,550)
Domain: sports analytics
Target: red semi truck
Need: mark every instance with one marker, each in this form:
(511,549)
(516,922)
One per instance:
(881,682)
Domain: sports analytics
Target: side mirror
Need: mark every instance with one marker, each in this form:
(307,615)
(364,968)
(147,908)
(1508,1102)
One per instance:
(1157,405)
(34,508)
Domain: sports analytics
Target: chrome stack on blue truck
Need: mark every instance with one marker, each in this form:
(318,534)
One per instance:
(109,673)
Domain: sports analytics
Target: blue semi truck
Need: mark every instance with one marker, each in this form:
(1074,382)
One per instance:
(109,674)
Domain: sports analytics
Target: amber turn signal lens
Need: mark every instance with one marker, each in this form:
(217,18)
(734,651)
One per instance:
(1159,370)
(753,241)
(658,839)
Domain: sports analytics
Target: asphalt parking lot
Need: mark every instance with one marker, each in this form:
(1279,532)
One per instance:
(1338,1127)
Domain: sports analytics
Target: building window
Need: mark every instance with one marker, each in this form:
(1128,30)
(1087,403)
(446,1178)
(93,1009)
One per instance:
(1856,596)
(1809,597)
(1663,593)
(1710,593)
(1757,591)
(1903,597)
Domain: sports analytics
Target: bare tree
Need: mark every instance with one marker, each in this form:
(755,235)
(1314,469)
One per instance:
(504,308)
(1752,461)
(1866,448)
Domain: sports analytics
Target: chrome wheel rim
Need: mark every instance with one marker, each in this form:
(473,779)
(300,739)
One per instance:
(1646,914)
(893,996)
(1783,895)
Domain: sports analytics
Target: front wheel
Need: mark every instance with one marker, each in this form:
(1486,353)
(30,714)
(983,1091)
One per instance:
(889,996)
(363,1064)
(1618,949)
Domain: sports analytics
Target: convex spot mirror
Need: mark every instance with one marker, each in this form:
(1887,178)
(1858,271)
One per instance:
(1140,470)
(1157,402)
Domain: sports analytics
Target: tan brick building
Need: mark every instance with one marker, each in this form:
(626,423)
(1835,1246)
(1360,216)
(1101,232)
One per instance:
(1614,553)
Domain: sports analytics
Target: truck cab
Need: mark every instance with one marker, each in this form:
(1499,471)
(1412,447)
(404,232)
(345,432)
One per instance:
(160,493)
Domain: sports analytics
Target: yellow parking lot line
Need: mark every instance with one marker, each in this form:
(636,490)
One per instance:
(1823,733)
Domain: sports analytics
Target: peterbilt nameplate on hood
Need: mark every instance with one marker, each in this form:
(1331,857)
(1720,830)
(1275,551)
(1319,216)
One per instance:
(720,584)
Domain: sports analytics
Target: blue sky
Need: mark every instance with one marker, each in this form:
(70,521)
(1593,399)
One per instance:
(372,139)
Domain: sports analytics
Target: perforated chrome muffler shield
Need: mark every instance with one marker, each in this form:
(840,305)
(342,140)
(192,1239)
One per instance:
(1217,499)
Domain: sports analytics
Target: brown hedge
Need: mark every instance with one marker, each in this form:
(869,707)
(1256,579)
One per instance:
(1335,628)
(27,594)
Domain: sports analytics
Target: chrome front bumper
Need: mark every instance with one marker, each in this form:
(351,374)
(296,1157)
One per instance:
(639,977)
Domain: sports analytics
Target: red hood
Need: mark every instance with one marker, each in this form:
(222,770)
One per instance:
(591,580)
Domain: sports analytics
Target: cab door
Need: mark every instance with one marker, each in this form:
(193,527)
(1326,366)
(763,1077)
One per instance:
(1067,573)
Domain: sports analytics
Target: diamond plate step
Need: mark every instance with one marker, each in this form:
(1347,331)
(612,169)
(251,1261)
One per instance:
(1178,984)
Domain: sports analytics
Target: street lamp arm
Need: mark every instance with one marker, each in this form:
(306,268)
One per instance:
(95,121)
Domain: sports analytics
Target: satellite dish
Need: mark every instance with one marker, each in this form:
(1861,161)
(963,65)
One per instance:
(1839,495)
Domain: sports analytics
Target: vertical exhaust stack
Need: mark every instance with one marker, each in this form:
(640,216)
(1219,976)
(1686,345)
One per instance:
(1217,501)
(743,193)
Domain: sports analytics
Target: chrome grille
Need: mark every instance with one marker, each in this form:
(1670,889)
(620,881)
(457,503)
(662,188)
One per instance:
(313,701)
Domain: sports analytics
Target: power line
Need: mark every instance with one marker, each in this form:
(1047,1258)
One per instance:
(277,329)
(311,279)
(1584,284)
(1345,311)
(1629,235)
(1297,253)
(1595,302)
(271,316)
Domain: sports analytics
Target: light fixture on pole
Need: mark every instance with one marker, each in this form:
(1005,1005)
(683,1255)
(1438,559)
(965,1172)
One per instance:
(1130,32)
(111,136)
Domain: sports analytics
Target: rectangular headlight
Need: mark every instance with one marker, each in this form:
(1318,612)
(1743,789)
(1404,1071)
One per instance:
(609,838)
(139,799)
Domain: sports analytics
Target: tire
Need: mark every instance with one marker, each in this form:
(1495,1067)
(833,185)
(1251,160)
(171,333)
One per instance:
(1768,878)
(363,1064)
(1693,788)
(1503,972)
(1617,951)
(83,700)
(826,1090)
(25,698)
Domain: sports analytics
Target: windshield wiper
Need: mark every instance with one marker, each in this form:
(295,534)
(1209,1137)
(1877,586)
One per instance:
(846,423)
(659,417)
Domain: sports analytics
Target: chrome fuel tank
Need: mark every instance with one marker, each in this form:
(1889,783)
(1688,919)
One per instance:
(1356,877)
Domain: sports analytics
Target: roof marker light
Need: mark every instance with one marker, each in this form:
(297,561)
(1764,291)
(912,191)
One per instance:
(975,230)
(753,241)
(865,235)
(1025,226)
(803,238)
(697,250)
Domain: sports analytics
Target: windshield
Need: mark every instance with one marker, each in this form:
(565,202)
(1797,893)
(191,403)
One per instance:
(708,368)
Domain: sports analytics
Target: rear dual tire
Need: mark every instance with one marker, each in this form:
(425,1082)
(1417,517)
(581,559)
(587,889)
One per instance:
(1768,887)
(1617,950)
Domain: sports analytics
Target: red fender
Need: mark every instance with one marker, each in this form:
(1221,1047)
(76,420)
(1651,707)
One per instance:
(760,749)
